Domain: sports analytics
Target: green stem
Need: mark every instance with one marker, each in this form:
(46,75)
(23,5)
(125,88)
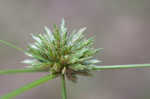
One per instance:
(63,83)
(121,66)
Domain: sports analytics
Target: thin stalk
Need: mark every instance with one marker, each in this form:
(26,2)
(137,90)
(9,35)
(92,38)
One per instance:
(121,66)
(63,89)
(15,71)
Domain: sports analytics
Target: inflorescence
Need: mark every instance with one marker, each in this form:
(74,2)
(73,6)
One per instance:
(62,52)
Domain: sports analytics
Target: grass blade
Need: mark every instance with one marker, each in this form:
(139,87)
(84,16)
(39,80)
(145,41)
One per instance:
(28,87)
(12,45)
(15,71)
(121,66)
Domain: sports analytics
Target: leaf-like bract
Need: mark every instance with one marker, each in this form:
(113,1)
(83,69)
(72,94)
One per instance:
(28,87)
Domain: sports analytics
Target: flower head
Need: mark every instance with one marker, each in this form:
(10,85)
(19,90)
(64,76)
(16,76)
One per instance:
(61,52)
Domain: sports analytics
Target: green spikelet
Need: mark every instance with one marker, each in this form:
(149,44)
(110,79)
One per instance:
(61,52)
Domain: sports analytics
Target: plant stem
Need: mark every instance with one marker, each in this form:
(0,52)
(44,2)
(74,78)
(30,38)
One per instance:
(63,84)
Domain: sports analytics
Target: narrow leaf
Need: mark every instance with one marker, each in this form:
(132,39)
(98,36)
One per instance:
(15,71)
(28,87)
(121,66)
(12,45)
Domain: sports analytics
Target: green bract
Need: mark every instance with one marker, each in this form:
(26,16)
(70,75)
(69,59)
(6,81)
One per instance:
(61,52)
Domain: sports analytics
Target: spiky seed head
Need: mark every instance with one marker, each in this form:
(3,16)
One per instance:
(61,52)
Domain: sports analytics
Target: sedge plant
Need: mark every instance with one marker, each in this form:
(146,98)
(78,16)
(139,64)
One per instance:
(60,54)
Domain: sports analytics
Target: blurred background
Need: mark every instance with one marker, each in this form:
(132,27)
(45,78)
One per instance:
(121,27)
